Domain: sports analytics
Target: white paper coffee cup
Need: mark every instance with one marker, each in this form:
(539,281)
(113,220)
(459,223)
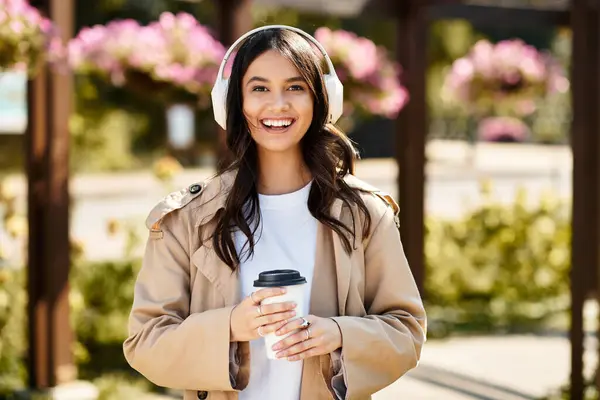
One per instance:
(295,286)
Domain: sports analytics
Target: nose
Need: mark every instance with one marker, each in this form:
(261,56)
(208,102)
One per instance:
(279,102)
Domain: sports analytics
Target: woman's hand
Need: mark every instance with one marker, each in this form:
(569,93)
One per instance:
(323,336)
(249,320)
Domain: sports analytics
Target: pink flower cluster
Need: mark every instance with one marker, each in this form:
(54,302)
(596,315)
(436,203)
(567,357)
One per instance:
(370,78)
(175,50)
(509,71)
(26,37)
(503,129)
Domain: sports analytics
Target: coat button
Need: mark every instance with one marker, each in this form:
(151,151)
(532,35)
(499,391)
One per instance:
(195,189)
(202,395)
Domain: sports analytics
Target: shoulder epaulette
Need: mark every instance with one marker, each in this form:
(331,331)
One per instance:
(386,197)
(173,201)
(389,200)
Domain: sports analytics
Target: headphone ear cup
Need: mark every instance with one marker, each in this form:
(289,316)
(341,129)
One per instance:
(219,101)
(335,93)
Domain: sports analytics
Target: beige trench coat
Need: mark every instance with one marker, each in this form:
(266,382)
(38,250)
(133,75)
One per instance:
(184,295)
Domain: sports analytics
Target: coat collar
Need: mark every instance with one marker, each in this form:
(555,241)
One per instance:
(216,190)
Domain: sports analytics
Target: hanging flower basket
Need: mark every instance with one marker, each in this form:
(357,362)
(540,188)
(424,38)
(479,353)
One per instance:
(508,78)
(503,129)
(173,59)
(371,79)
(27,39)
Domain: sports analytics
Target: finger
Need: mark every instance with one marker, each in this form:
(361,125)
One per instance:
(290,341)
(293,325)
(313,352)
(270,328)
(297,348)
(274,318)
(277,307)
(262,294)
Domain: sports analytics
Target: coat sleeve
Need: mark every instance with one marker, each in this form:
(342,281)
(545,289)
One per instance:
(168,345)
(382,346)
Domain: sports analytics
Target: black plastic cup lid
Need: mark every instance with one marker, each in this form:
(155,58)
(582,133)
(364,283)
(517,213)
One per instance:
(279,277)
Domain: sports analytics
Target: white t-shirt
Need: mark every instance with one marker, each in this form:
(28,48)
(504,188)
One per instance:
(286,239)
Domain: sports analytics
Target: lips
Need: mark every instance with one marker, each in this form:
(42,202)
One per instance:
(277,124)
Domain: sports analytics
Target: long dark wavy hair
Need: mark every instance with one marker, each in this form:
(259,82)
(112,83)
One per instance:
(327,152)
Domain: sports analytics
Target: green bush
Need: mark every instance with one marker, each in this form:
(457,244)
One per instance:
(101,300)
(118,387)
(13,341)
(563,393)
(101,297)
(498,268)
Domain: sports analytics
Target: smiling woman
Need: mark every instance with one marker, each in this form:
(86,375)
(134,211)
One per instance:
(288,201)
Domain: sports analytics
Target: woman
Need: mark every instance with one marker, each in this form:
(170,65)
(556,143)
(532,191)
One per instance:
(288,200)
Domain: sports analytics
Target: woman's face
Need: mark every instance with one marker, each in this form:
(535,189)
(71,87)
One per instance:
(277,103)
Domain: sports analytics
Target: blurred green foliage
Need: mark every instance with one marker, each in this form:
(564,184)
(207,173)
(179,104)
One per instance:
(562,393)
(101,300)
(12,329)
(499,268)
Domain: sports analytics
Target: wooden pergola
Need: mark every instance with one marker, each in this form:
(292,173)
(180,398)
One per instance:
(50,356)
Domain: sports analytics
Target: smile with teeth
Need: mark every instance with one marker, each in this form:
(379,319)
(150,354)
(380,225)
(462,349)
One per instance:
(277,123)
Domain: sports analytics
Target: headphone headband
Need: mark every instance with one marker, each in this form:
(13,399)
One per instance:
(267,27)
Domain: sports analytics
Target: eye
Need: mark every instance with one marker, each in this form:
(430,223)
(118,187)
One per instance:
(296,87)
(259,89)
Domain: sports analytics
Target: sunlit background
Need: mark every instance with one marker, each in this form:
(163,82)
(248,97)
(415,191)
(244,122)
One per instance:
(497,198)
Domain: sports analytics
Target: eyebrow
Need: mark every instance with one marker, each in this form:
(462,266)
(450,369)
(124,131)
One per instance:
(261,79)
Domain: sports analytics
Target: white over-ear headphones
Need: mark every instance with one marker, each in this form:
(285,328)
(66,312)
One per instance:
(334,87)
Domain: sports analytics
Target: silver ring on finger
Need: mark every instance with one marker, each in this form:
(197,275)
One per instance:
(305,323)
(259,330)
(307,333)
(259,310)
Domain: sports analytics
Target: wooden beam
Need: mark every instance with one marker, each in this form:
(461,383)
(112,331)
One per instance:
(411,133)
(339,8)
(585,178)
(494,16)
(47,143)
(439,9)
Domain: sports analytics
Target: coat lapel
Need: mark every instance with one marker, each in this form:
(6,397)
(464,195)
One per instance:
(225,281)
(323,295)
(341,261)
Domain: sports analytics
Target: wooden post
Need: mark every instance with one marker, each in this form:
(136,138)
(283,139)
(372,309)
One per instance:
(411,133)
(47,143)
(234,19)
(585,177)
(593,143)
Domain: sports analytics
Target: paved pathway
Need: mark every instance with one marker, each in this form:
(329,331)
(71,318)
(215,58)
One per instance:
(488,368)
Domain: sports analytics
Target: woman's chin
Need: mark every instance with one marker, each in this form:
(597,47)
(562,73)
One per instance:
(274,146)
(274,142)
